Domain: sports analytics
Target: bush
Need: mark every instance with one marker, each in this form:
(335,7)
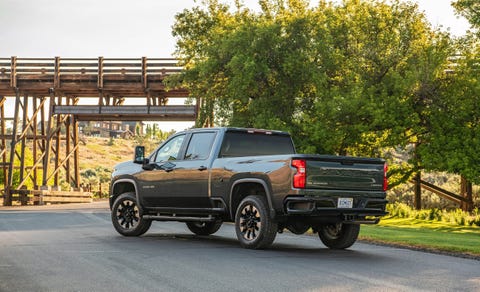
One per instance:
(457,216)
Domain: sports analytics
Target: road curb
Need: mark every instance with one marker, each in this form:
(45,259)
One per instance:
(422,249)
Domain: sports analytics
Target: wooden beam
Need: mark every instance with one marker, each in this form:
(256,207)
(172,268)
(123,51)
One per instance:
(100,73)
(8,196)
(13,72)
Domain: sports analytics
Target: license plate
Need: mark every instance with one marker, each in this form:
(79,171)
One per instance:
(345,203)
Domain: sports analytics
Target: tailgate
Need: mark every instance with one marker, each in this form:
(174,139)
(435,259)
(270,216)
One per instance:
(344,173)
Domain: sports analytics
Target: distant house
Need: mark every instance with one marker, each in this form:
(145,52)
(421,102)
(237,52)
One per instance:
(114,129)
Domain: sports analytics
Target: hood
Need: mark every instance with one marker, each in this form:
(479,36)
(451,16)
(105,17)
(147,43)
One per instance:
(127,167)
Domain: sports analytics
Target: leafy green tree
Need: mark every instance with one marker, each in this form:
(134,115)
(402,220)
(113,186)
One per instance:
(353,77)
(470,9)
(453,140)
(251,70)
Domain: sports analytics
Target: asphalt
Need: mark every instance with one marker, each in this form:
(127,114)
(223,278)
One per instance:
(75,248)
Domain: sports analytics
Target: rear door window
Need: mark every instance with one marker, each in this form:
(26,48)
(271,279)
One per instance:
(200,146)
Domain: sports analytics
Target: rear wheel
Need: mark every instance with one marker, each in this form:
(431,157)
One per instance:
(339,236)
(204,228)
(126,216)
(254,227)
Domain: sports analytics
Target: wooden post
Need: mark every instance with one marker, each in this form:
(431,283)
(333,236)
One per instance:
(100,73)
(67,144)
(466,192)
(43,133)
(3,142)
(76,157)
(34,146)
(23,138)
(13,72)
(418,179)
(56,77)
(8,193)
(48,142)
(418,191)
(144,73)
(57,145)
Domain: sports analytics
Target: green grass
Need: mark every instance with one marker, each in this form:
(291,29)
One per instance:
(432,235)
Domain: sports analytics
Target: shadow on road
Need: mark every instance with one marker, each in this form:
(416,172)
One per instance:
(302,247)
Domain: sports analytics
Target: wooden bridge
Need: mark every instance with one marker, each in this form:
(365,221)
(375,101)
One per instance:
(52,94)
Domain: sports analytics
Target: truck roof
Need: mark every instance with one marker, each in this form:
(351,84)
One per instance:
(235,129)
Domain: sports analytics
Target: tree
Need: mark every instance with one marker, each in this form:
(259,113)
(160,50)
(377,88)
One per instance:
(470,9)
(356,77)
(453,140)
(251,70)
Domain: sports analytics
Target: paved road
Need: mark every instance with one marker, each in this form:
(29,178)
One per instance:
(71,248)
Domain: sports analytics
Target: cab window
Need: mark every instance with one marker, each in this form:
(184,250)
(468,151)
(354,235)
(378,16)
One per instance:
(170,150)
(200,146)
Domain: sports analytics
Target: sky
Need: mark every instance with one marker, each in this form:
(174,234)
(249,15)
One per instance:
(124,28)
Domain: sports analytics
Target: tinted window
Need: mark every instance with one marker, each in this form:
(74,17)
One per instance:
(237,144)
(170,150)
(200,146)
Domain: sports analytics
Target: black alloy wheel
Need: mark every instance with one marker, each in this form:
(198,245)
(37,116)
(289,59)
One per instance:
(250,222)
(126,216)
(253,225)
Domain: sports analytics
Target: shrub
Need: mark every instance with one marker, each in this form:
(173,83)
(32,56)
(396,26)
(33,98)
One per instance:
(456,216)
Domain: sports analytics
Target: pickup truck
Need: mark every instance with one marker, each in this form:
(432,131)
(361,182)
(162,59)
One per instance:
(253,178)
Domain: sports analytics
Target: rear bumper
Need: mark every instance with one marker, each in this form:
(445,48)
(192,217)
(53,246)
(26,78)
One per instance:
(364,210)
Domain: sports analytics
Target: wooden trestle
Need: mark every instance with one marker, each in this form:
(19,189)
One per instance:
(50,96)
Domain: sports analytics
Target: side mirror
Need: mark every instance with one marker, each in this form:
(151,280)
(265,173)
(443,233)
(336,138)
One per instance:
(139,157)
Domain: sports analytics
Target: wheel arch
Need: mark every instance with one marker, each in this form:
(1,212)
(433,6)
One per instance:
(249,186)
(122,186)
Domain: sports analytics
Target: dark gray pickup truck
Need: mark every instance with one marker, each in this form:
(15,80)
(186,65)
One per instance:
(251,177)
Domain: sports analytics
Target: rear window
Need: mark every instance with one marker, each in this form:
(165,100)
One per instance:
(237,144)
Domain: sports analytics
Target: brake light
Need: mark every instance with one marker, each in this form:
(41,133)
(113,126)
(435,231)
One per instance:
(385,179)
(300,178)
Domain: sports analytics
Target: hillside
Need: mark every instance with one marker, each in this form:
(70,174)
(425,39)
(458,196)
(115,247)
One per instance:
(98,156)
(103,152)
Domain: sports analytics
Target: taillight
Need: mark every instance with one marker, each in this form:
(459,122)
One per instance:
(300,177)
(385,179)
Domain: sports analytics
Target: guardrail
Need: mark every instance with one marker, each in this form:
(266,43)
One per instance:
(42,197)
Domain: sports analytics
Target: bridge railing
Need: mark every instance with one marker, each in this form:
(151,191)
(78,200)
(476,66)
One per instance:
(14,68)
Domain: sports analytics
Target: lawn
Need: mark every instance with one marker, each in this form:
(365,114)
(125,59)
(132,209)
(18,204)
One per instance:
(430,235)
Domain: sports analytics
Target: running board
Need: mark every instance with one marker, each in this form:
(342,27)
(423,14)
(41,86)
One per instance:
(179,218)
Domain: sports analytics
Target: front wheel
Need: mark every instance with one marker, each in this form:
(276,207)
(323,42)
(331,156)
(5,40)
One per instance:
(126,216)
(204,228)
(254,227)
(339,236)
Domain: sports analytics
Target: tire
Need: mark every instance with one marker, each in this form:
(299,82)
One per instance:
(126,216)
(254,227)
(204,228)
(339,236)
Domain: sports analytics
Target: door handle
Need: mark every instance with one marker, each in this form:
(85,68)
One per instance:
(202,168)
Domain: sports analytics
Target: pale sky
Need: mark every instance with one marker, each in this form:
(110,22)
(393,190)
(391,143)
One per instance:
(122,28)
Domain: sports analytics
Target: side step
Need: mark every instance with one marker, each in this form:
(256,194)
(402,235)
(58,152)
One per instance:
(179,218)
